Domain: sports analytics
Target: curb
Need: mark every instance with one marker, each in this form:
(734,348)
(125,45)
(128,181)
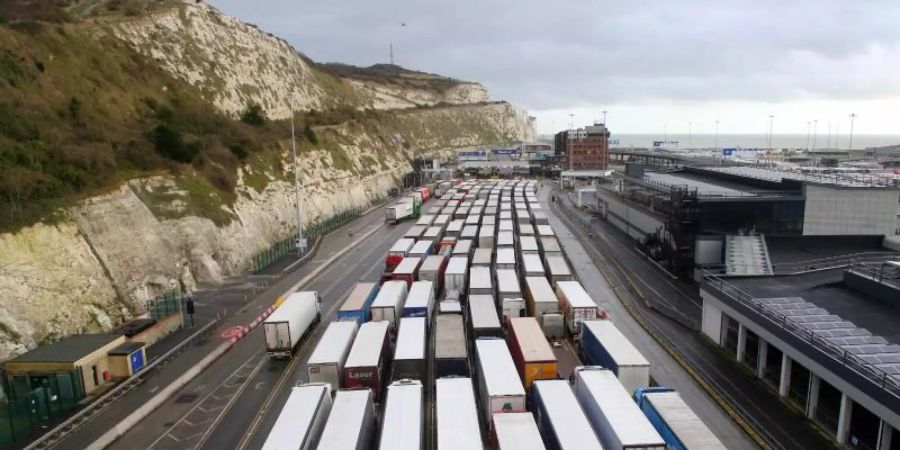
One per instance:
(157,400)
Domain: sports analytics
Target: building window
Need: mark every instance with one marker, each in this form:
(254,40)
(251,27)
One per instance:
(772,375)
(751,351)
(829,405)
(729,334)
(798,393)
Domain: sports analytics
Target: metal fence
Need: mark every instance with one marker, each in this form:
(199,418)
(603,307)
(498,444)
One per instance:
(288,245)
(36,400)
(165,305)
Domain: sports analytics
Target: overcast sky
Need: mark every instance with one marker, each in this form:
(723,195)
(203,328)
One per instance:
(652,64)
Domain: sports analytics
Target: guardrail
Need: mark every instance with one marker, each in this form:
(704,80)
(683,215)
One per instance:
(71,424)
(832,262)
(871,373)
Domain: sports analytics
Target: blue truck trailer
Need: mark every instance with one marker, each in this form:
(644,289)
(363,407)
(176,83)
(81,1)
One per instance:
(675,420)
(356,306)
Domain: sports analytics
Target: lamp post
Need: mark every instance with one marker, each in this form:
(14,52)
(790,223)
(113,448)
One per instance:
(769,145)
(852,118)
(717,135)
(815,132)
(604,117)
(301,242)
(807,136)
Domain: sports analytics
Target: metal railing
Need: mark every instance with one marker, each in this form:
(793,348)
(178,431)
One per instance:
(831,262)
(71,424)
(868,371)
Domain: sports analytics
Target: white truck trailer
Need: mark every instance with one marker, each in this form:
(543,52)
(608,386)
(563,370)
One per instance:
(290,322)
(326,364)
(302,418)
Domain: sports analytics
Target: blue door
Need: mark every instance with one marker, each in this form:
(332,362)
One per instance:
(137,361)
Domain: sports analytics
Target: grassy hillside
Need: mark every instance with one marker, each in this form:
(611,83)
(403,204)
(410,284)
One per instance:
(80,112)
(391,74)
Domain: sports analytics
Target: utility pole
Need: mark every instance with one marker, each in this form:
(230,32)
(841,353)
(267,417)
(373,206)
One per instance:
(815,133)
(852,118)
(571,121)
(717,135)
(604,117)
(300,242)
(392,53)
(771,118)
(807,136)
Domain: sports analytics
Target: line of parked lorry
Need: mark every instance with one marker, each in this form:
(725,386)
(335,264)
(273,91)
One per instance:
(454,346)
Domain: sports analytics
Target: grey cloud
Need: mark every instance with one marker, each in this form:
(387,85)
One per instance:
(542,54)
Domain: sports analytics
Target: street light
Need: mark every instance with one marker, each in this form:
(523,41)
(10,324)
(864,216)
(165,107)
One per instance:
(852,117)
(807,136)
(301,242)
(604,117)
(815,133)
(717,134)
(769,145)
(572,121)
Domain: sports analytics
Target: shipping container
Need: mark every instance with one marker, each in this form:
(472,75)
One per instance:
(490,217)
(397,252)
(290,322)
(483,256)
(483,320)
(432,234)
(403,424)
(432,269)
(528,245)
(420,300)
(421,249)
(558,269)
(388,304)
(409,350)
(486,236)
(561,420)
(516,431)
(451,357)
(506,258)
(522,216)
(576,305)
(356,306)
(407,271)
(531,266)
(505,239)
(530,350)
(464,247)
(505,216)
(540,297)
(480,281)
(351,424)
(456,275)
(456,415)
(614,415)
(508,286)
(461,213)
(415,231)
(425,220)
(326,363)
(674,420)
(302,418)
(469,232)
(545,231)
(602,344)
(500,387)
(365,366)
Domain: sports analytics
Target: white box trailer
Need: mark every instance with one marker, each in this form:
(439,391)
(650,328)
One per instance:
(526,230)
(558,269)
(420,300)
(432,269)
(516,431)
(421,249)
(415,231)
(483,320)
(500,387)
(528,245)
(302,418)
(483,256)
(539,217)
(505,239)
(545,230)
(403,424)
(456,275)
(473,219)
(409,351)
(505,225)
(480,281)
(602,344)
(522,216)
(561,420)
(550,246)
(442,219)
(615,416)
(506,258)
(486,236)
(351,424)
(454,228)
(402,209)
(432,233)
(469,232)
(508,287)
(290,322)
(532,265)
(576,304)
(490,217)
(544,306)
(326,363)
(463,247)
(425,220)
(388,304)
(456,416)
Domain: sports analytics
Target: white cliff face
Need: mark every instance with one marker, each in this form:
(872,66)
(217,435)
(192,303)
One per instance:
(383,96)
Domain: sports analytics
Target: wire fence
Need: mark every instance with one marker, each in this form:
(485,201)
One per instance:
(165,305)
(36,400)
(288,245)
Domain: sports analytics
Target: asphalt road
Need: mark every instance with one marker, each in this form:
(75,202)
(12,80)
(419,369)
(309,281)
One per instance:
(230,403)
(768,414)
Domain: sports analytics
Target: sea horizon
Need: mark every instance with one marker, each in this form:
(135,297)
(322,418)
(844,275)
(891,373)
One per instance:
(790,141)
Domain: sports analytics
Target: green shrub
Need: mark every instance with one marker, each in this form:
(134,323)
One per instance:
(310,135)
(170,143)
(254,115)
(239,151)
